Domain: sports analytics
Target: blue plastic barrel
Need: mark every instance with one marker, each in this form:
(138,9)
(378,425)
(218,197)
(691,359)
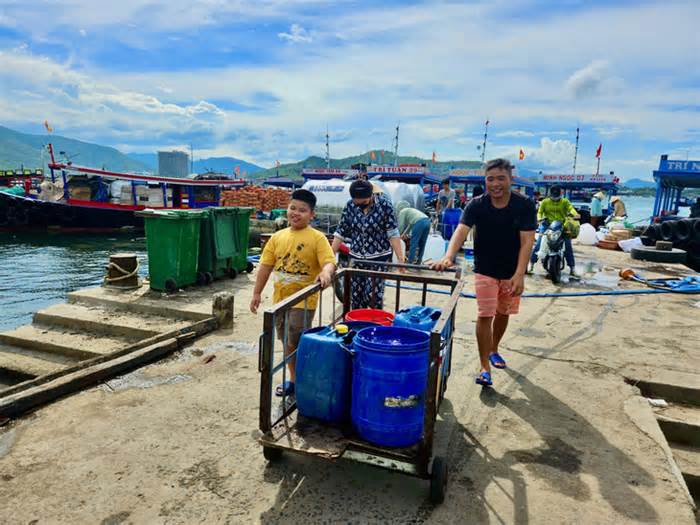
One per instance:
(450,221)
(423,318)
(323,375)
(389,383)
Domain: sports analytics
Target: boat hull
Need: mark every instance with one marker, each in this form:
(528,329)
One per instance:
(23,213)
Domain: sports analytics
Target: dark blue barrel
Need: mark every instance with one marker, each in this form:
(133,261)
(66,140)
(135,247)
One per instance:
(423,318)
(450,221)
(389,383)
(324,372)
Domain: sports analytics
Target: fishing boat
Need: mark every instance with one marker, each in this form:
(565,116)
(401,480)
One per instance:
(83,199)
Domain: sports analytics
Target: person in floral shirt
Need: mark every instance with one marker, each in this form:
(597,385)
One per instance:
(368,226)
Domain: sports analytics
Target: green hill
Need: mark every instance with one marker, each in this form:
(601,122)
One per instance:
(25,150)
(293,170)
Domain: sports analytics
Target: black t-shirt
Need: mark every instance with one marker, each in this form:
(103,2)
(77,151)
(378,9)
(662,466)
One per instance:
(497,234)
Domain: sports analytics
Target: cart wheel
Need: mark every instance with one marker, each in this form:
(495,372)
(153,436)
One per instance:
(438,480)
(272,454)
(249,267)
(233,273)
(201,279)
(170,286)
(208,278)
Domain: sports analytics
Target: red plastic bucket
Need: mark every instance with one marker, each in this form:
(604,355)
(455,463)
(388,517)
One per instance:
(371,315)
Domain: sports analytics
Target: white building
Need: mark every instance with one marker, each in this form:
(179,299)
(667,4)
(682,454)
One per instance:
(173,164)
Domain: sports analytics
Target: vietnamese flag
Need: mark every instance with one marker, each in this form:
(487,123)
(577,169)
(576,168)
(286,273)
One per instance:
(372,155)
(522,154)
(597,152)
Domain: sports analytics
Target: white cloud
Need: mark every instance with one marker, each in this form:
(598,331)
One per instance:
(82,32)
(514,133)
(296,35)
(589,80)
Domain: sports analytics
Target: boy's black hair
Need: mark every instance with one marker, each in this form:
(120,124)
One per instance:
(305,196)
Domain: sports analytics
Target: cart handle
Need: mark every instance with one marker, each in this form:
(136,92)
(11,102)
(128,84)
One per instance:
(457,270)
(260,352)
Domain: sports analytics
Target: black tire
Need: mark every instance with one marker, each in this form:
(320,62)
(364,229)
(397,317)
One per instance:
(438,480)
(683,232)
(208,278)
(667,229)
(170,286)
(232,273)
(201,279)
(696,230)
(644,253)
(554,269)
(653,231)
(647,241)
(272,454)
(249,267)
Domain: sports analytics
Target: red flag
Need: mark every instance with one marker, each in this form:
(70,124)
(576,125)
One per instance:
(372,155)
(522,154)
(237,170)
(597,152)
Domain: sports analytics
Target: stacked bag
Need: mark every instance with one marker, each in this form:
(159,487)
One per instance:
(262,199)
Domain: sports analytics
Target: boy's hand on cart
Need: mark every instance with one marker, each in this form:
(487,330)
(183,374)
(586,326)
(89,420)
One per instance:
(325,278)
(442,264)
(255,303)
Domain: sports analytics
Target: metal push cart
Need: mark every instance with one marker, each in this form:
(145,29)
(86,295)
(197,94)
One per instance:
(284,429)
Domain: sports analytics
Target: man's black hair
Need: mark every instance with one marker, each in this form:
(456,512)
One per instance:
(502,164)
(445,181)
(361,189)
(305,196)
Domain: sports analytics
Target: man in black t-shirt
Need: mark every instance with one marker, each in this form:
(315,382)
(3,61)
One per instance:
(505,232)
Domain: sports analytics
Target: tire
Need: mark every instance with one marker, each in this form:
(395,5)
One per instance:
(438,480)
(667,230)
(696,230)
(201,279)
(653,231)
(272,454)
(554,269)
(170,286)
(644,253)
(208,278)
(249,267)
(683,232)
(232,273)
(647,241)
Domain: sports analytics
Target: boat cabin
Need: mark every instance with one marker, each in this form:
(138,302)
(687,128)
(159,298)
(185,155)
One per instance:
(672,178)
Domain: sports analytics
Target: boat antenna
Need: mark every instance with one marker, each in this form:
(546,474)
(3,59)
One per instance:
(483,146)
(396,146)
(576,150)
(191,159)
(328,150)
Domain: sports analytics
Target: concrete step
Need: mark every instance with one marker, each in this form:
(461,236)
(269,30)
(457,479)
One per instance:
(24,364)
(688,461)
(671,385)
(109,321)
(83,345)
(680,424)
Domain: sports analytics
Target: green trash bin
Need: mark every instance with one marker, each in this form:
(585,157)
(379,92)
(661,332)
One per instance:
(172,242)
(223,247)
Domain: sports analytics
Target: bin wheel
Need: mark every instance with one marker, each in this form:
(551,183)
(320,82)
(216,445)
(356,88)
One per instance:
(272,454)
(208,278)
(438,480)
(170,286)
(201,278)
(233,273)
(249,267)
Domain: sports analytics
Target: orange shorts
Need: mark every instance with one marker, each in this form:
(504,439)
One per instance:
(493,295)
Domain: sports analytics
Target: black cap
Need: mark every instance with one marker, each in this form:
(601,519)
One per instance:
(360,189)
(555,191)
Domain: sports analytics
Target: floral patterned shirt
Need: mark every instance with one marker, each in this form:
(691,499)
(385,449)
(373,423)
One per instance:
(367,234)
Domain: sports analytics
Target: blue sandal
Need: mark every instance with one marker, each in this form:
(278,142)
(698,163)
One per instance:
(286,389)
(484,379)
(497,361)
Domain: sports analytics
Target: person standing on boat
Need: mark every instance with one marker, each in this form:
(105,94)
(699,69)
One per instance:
(446,197)
(368,225)
(619,209)
(506,223)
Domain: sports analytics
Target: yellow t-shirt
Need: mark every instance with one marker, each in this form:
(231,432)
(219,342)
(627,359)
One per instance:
(297,257)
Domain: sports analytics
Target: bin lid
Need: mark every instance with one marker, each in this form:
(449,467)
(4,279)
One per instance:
(172,214)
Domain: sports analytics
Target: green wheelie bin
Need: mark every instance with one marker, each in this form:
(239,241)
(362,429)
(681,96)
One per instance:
(172,241)
(223,246)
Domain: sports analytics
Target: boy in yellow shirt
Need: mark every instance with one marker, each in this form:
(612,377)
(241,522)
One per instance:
(299,256)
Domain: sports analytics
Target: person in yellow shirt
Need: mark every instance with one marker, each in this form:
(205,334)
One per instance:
(299,256)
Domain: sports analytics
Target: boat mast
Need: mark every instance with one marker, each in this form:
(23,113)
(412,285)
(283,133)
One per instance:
(191,159)
(576,151)
(328,150)
(396,146)
(483,146)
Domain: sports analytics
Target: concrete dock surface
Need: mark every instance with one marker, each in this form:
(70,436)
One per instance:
(565,435)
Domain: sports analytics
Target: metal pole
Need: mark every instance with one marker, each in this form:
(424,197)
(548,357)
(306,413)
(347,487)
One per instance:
(328,151)
(597,170)
(396,146)
(576,151)
(483,147)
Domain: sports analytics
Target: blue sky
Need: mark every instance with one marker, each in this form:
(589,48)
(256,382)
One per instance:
(260,80)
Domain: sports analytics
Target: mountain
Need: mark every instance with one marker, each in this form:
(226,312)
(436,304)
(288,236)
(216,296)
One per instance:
(639,183)
(22,149)
(293,170)
(217,164)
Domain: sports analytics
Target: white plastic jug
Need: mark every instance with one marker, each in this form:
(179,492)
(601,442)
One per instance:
(434,248)
(587,235)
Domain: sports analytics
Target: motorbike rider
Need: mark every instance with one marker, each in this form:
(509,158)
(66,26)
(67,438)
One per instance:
(555,208)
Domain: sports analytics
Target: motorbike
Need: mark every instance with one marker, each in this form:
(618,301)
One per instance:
(551,252)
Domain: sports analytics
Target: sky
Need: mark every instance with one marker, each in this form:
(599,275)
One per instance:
(261,80)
